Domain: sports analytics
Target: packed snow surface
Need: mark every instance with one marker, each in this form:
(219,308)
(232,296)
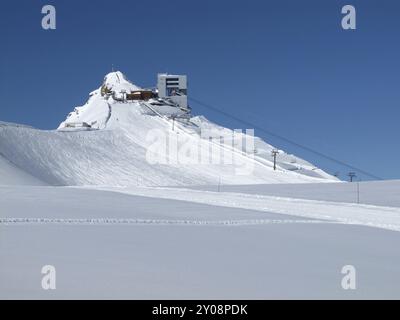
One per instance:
(171,244)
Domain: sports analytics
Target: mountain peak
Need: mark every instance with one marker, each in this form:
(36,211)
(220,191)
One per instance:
(115,76)
(120,104)
(116,81)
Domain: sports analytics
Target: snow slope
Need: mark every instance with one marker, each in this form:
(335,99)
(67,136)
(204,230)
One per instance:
(384,217)
(378,193)
(11,175)
(115,150)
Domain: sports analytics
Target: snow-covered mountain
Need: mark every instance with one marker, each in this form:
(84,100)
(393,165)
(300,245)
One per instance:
(161,240)
(108,141)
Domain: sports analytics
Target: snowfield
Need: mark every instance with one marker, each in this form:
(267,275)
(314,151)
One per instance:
(87,199)
(108,244)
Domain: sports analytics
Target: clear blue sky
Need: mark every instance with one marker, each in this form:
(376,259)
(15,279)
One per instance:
(287,66)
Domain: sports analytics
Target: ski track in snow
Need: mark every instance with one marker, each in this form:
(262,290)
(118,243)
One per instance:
(127,221)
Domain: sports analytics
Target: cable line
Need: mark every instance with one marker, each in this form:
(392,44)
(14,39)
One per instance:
(252,125)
